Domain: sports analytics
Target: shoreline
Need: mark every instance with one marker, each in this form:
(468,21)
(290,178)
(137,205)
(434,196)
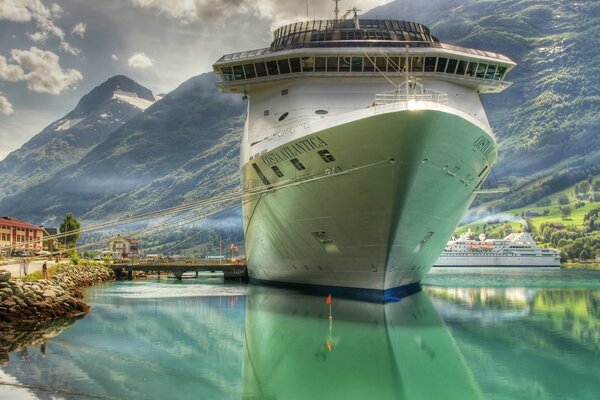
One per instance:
(27,303)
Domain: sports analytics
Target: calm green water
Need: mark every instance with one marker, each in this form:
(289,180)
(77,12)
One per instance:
(470,334)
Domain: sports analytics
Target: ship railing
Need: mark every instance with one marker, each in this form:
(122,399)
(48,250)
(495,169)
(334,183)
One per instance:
(393,97)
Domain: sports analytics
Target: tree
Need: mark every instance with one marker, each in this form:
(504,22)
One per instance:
(563,199)
(566,212)
(69,224)
(592,220)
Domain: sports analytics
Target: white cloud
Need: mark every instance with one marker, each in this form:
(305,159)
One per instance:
(114,57)
(43,71)
(67,48)
(140,60)
(5,106)
(79,30)
(10,72)
(27,10)
(38,36)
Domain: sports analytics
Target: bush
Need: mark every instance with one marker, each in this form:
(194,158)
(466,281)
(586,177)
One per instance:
(562,200)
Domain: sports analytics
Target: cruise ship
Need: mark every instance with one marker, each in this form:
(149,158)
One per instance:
(515,250)
(365,141)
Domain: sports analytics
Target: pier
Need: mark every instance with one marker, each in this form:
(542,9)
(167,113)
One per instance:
(231,271)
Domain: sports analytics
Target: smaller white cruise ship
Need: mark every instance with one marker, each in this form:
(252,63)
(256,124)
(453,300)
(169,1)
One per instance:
(515,250)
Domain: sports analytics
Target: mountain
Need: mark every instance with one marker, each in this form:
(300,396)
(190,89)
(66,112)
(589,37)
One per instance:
(547,123)
(69,139)
(184,147)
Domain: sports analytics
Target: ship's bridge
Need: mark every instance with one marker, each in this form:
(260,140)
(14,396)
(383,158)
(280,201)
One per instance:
(360,48)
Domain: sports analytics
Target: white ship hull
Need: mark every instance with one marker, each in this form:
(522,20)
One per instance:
(497,261)
(403,179)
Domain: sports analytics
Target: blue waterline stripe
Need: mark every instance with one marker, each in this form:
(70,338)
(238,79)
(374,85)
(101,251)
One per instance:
(371,295)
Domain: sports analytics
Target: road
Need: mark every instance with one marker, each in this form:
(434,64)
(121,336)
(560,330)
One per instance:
(33,266)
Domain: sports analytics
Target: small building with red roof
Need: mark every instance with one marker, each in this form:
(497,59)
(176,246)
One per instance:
(16,234)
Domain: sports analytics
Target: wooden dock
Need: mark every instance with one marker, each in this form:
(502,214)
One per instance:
(230,271)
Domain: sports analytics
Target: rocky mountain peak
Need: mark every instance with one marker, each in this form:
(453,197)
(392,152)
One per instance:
(118,87)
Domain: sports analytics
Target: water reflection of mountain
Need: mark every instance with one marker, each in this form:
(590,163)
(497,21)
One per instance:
(372,351)
(550,351)
(136,348)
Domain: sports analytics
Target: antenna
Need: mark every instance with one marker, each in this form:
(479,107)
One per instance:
(337,9)
(307,17)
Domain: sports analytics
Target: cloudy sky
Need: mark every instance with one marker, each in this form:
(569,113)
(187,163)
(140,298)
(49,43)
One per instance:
(52,52)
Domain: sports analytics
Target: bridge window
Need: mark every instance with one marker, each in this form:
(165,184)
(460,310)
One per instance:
(308,64)
(272,68)
(295,65)
(393,64)
(471,68)
(238,72)
(345,64)
(320,63)
(380,64)
(261,70)
(430,64)
(369,66)
(451,66)
(441,64)
(461,67)
(500,73)
(227,74)
(332,64)
(491,71)
(357,64)
(417,64)
(284,66)
(249,69)
(481,70)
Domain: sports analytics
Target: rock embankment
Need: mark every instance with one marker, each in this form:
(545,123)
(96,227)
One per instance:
(46,299)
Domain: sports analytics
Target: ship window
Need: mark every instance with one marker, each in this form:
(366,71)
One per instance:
(227,74)
(308,64)
(299,166)
(491,71)
(500,73)
(238,72)
(284,116)
(451,66)
(357,64)
(332,64)
(249,69)
(471,68)
(368,67)
(441,65)
(261,70)
(326,155)
(262,176)
(295,64)
(429,64)
(272,68)
(277,171)
(267,112)
(345,64)
(462,66)
(320,64)
(481,70)
(284,92)
(321,112)
(380,64)
(393,64)
(284,66)
(417,64)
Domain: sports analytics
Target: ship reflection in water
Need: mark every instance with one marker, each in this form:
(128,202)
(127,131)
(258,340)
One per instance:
(203,339)
(399,350)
